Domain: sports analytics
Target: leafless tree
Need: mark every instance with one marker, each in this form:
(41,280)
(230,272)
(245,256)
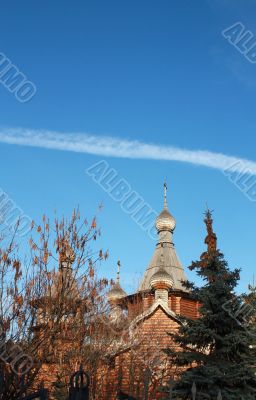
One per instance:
(52,304)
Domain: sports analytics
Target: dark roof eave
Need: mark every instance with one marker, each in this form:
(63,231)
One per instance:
(141,294)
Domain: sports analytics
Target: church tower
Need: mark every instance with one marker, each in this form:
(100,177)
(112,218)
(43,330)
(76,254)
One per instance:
(165,257)
(152,312)
(115,296)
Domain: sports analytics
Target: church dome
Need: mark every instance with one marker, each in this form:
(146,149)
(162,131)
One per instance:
(116,292)
(161,277)
(165,221)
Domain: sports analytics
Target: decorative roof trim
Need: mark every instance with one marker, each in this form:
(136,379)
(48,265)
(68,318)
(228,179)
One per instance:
(158,303)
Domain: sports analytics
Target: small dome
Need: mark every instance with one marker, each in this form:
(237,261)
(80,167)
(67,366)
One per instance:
(161,277)
(116,292)
(165,221)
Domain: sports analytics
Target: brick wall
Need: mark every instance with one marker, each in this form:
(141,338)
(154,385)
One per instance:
(126,370)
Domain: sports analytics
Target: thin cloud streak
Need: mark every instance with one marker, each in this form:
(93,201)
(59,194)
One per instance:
(117,147)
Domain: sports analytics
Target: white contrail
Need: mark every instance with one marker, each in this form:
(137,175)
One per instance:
(117,147)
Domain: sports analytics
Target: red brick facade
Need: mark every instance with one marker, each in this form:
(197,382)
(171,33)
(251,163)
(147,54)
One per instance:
(148,338)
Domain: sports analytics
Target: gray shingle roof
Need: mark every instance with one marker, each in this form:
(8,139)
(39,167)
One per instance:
(165,254)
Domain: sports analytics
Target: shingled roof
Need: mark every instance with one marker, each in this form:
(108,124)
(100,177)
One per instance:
(165,253)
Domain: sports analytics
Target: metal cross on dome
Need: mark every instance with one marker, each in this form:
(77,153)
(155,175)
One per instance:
(165,194)
(118,271)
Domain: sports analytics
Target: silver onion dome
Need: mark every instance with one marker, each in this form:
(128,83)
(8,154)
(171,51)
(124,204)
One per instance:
(116,292)
(161,277)
(165,221)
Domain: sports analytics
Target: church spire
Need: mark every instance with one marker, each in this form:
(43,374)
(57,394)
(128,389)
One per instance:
(116,292)
(165,222)
(164,260)
(115,298)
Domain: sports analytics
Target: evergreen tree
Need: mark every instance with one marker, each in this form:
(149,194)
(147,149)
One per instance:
(250,299)
(215,350)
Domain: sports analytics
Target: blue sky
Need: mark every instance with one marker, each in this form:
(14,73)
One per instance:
(157,72)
